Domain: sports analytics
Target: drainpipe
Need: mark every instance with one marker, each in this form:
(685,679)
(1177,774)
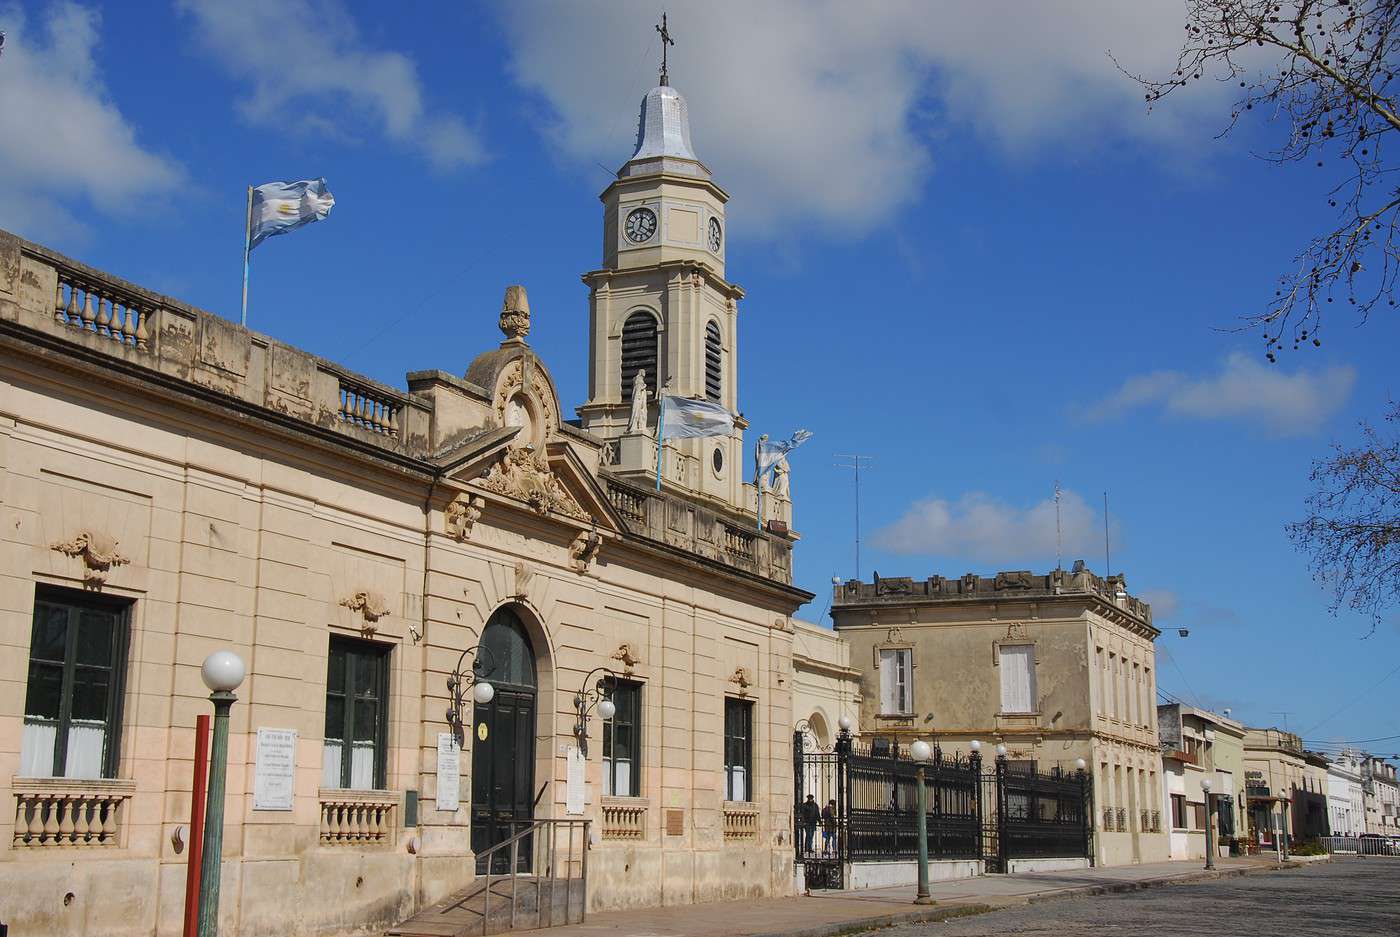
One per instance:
(423,664)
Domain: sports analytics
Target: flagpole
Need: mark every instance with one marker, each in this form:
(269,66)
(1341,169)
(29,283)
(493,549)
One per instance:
(758,478)
(660,438)
(247,235)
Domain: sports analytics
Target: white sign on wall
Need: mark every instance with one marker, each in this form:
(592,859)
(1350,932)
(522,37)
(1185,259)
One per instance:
(274,774)
(574,794)
(449,772)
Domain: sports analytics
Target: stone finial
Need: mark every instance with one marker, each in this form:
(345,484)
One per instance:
(515,314)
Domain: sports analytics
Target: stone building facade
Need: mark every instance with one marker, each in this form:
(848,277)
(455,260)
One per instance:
(1057,667)
(172,484)
(825,687)
(1275,782)
(1381,792)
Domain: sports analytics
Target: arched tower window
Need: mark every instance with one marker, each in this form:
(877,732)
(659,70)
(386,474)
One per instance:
(639,352)
(713,351)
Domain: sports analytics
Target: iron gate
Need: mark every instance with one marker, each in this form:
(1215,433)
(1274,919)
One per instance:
(857,802)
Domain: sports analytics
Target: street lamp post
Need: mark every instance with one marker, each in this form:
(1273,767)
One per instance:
(223,672)
(1210,840)
(921,752)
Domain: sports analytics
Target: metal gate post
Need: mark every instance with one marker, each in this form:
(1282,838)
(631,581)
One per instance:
(843,787)
(1001,813)
(1086,811)
(798,751)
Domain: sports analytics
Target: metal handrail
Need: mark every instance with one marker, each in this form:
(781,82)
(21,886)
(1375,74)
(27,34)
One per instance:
(513,842)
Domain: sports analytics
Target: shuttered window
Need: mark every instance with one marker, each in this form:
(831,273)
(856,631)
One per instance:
(738,750)
(357,691)
(639,352)
(1018,678)
(713,352)
(895,698)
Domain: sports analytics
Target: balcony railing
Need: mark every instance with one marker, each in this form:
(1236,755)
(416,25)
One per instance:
(90,306)
(740,822)
(623,820)
(55,812)
(351,818)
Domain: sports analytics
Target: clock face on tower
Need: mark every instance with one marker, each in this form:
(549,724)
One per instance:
(716,235)
(640,225)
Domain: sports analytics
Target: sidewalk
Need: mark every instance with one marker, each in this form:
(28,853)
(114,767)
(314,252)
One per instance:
(826,914)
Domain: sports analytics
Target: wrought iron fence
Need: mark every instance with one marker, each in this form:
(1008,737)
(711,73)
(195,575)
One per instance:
(857,803)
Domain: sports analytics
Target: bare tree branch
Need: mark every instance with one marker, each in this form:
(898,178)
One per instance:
(1324,71)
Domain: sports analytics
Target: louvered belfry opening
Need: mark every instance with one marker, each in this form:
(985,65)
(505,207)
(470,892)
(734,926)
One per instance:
(639,352)
(712,362)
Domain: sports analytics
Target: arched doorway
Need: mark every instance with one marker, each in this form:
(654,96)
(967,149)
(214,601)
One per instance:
(503,743)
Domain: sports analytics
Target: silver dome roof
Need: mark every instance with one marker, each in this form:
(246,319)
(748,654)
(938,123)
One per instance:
(663,136)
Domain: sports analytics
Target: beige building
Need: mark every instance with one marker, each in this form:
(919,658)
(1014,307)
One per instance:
(1199,745)
(1381,796)
(172,484)
(825,687)
(1057,667)
(1275,771)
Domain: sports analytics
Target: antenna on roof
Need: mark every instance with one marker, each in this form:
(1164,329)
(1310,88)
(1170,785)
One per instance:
(1058,544)
(1107,562)
(855,462)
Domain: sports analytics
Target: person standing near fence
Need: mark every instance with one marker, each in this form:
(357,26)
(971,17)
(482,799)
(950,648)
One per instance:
(810,815)
(828,828)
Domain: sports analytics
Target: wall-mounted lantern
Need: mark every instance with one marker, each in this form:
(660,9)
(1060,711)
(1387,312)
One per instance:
(588,699)
(475,680)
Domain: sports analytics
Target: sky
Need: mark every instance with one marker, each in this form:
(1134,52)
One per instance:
(970,253)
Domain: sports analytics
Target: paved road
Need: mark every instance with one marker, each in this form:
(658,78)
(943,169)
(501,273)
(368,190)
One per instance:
(1357,896)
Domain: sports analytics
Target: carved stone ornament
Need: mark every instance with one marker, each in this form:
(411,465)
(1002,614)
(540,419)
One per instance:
(371,605)
(741,678)
(624,655)
(895,635)
(462,514)
(98,552)
(515,314)
(523,575)
(1015,579)
(512,386)
(1015,631)
(584,548)
(524,474)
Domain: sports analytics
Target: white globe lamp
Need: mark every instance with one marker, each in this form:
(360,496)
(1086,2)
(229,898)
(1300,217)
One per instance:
(483,693)
(607,709)
(845,723)
(1205,785)
(1079,763)
(1001,749)
(921,750)
(223,671)
(975,745)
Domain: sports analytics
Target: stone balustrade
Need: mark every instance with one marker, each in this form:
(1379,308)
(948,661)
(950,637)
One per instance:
(740,822)
(629,503)
(739,543)
(355,818)
(360,406)
(65,812)
(624,819)
(85,304)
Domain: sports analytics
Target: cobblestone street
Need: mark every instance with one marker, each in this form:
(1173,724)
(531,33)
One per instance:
(1357,895)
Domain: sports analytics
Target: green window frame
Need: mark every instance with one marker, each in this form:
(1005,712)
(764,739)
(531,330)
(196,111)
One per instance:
(77,673)
(357,713)
(622,740)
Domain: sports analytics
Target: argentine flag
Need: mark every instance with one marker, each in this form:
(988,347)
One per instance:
(279,207)
(683,418)
(771,453)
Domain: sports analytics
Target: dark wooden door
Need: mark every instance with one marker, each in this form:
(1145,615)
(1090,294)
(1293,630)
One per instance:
(503,775)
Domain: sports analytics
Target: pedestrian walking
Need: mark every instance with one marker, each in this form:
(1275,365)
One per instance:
(829,828)
(810,815)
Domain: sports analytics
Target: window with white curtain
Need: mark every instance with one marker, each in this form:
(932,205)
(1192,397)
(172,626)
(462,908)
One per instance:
(72,705)
(896,699)
(357,691)
(1017,662)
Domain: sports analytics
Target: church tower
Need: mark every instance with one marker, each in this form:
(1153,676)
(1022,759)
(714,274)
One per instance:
(661,304)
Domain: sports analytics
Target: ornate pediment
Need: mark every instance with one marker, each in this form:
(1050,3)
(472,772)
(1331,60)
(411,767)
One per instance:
(524,474)
(98,552)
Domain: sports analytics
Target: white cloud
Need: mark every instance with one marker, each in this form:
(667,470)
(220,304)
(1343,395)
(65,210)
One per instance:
(1164,602)
(827,112)
(310,70)
(61,139)
(982,529)
(1244,389)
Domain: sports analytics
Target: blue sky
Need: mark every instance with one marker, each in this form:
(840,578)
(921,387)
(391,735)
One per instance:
(969,253)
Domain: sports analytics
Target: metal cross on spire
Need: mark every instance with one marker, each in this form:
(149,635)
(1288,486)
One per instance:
(666,40)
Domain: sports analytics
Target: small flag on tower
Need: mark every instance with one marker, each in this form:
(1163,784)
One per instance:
(686,418)
(770,453)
